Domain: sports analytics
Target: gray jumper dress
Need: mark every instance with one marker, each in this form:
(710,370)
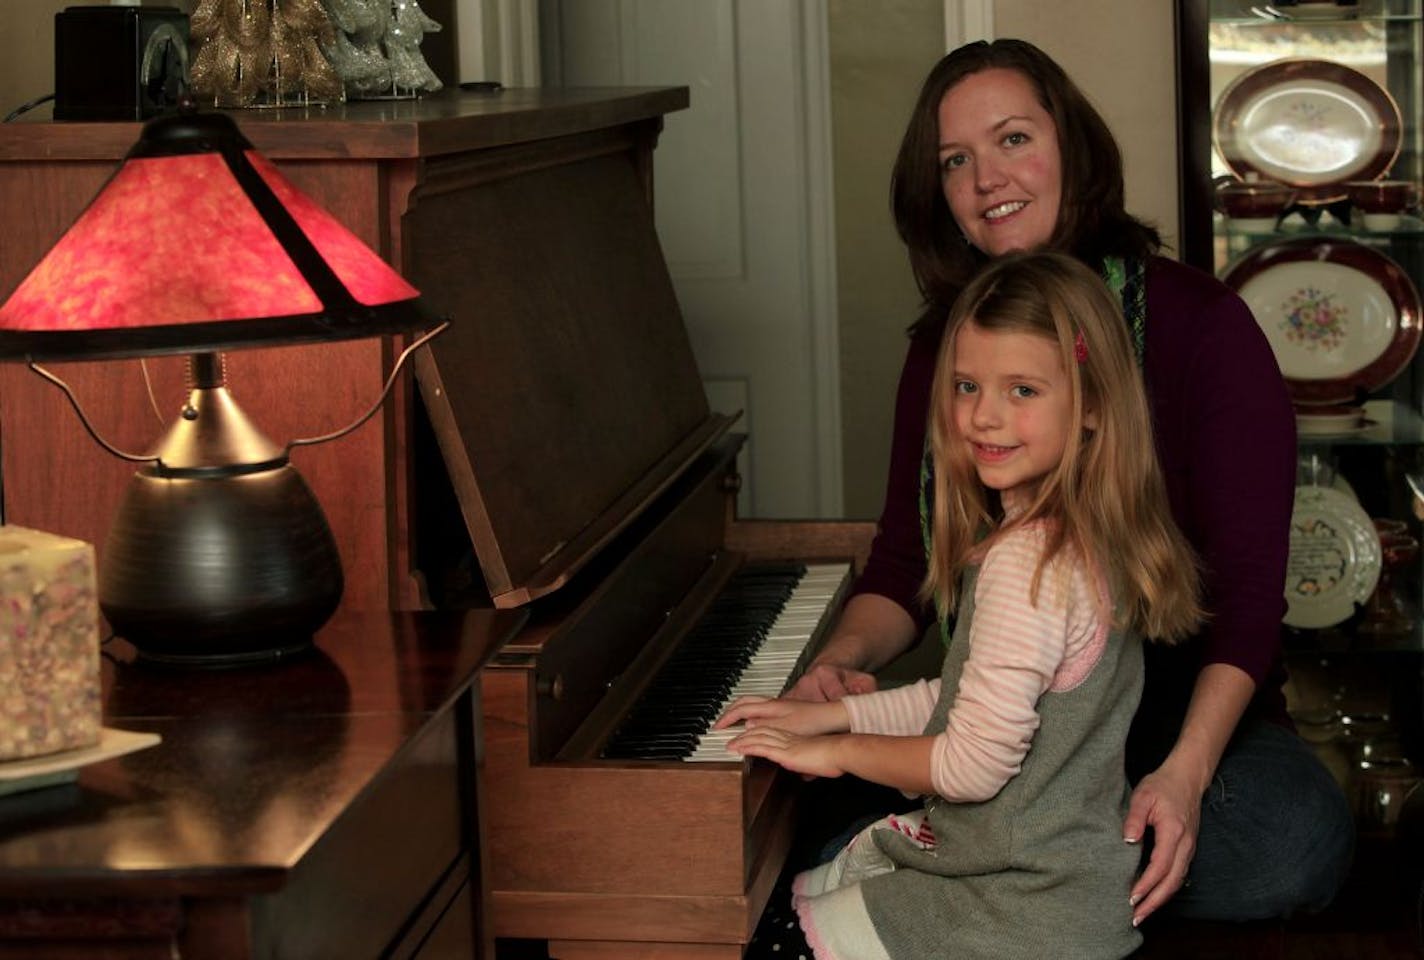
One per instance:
(1039,870)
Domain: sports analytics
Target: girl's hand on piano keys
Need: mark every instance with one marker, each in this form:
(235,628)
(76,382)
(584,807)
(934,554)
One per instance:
(793,716)
(810,756)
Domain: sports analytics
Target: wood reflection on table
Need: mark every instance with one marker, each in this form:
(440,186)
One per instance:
(326,806)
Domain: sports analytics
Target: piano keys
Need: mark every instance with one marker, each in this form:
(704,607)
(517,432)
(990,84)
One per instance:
(753,642)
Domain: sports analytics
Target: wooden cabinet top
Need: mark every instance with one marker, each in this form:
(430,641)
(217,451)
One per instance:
(450,121)
(256,765)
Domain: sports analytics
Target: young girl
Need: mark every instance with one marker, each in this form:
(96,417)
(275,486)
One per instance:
(1053,549)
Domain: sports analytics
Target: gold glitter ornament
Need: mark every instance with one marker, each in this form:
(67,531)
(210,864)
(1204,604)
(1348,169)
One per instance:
(262,53)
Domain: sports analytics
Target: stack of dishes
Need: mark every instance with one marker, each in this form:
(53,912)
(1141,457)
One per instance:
(1331,421)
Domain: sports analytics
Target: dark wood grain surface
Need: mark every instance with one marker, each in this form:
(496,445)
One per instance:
(450,121)
(255,765)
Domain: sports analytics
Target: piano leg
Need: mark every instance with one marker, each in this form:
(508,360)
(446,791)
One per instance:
(629,950)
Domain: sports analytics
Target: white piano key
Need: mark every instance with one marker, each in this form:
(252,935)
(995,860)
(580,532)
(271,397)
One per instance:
(770,668)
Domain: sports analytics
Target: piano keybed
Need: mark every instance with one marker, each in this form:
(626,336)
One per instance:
(751,641)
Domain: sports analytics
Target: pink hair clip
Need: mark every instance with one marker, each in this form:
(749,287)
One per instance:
(1080,347)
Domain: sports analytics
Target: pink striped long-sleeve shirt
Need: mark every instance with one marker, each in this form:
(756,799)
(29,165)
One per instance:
(1017,651)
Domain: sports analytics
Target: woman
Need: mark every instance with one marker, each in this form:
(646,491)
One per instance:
(1004,153)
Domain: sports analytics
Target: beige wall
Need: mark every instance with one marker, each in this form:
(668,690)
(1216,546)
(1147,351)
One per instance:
(879,55)
(27,51)
(1123,54)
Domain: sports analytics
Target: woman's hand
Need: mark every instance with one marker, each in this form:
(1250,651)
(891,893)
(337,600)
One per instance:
(829,681)
(791,716)
(1172,808)
(810,756)
(872,631)
(1169,798)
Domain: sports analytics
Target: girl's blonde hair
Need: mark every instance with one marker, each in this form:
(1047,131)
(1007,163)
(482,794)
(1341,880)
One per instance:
(1106,498)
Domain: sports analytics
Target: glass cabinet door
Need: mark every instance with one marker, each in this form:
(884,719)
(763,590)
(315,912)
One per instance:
(1307,96)
(1302,161)
(1301,126)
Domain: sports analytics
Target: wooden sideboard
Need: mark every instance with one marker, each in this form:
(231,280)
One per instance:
(397,174)
(326,806)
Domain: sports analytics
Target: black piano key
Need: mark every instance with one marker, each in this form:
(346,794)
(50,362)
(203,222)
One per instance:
(682,700)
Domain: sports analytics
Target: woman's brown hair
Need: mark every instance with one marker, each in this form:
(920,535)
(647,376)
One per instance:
(1093,222)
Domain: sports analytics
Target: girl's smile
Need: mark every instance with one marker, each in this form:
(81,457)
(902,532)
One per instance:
(988,453)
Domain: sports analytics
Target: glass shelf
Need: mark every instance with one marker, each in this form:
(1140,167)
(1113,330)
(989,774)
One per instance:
(1344,639)
(1410,227)
(1262,13)
(1249,20)
(1394,424)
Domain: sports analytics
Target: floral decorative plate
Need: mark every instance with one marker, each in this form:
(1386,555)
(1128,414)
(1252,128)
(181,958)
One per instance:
(1342,318)
(1312,124)
(1334,557)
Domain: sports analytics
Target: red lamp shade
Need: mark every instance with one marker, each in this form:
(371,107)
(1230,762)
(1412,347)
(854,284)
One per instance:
(198,243)
(219,553)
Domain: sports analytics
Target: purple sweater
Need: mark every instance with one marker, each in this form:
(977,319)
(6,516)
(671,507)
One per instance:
(1225,436)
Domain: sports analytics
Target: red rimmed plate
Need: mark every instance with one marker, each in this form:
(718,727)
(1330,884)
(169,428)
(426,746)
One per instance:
(1312,124)
(1342,318)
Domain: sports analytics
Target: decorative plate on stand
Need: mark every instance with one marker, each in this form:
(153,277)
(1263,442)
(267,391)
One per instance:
(1335,557)
(1342,318)
(1312,124)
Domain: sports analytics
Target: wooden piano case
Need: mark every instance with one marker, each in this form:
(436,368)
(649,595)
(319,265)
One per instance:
(565,461)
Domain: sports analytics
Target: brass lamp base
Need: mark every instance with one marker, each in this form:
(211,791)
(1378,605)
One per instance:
(219,571)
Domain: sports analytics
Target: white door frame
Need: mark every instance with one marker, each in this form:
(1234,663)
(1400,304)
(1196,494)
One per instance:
(966,20)
(821,257)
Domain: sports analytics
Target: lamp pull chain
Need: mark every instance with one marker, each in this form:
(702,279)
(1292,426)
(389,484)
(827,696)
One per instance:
(84,419)
(390,380)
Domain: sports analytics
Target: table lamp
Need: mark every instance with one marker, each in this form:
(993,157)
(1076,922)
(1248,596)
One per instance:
(219,554)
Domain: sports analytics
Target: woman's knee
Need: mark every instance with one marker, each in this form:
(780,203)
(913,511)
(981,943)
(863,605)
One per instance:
(1277,835)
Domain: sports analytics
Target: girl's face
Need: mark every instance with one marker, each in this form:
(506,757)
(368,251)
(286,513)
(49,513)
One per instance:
(1012,407)
(1000,167)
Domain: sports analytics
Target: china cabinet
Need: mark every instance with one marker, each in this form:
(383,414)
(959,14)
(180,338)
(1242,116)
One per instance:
(1324,99)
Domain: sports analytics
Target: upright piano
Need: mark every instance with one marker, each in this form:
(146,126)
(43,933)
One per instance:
(565,461)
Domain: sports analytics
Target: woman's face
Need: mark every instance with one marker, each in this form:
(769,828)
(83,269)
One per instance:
(1000,167)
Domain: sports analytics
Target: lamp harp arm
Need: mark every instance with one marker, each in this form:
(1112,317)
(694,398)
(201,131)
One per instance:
(84,419)
(385,391)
